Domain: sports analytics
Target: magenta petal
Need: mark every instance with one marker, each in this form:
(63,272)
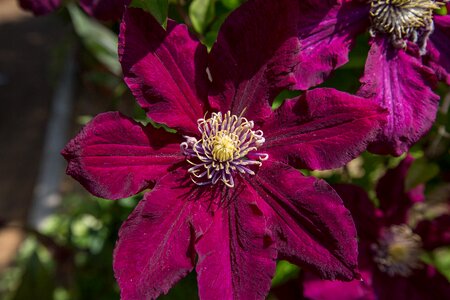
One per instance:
(236,258)
(166,71)
(317,289)
(105,10)
(40,7)
(115,157)
(323,129)
(310,224)
(362,209)
(155,246)
(439,48)
(401,84)
(434,233)
(395,201)
(327,30)
(253,58)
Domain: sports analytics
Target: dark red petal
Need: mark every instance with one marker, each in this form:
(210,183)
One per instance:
(115,157)
(40,7)
(395,201)
(254,56)
(317,289)
(155,246)
(327,30)
(105,10)
(439,47)
(236,257)
(323,129)
(401,84)
(362,209)
(166,71)
(434,233)
(310,224)
(424,284)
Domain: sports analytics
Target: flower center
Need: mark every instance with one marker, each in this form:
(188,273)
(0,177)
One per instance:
(398,251)
(404,20)
(223,146)
(227,146)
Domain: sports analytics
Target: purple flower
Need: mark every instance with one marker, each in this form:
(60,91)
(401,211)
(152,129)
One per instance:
(226,198)
(40,7)
(389,248)
(408,46)
(105,10)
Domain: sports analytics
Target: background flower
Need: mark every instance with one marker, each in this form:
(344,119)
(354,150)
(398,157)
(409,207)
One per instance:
(400,80)
(390,246)
(105,10)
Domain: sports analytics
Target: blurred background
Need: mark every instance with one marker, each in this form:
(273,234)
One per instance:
(58,71)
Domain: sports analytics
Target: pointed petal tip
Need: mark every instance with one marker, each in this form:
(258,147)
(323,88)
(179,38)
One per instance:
(398,81)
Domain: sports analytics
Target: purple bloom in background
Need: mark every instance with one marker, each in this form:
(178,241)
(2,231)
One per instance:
(389,249)
(105,10)
(226,198)
(409,46)
(40,7)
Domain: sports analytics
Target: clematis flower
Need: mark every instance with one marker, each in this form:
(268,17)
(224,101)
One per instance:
(104,10)
(408,45)
(225,196)
(390,248)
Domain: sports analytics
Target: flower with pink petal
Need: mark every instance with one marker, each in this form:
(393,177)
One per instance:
(390,249)
(409,47)
(226,197)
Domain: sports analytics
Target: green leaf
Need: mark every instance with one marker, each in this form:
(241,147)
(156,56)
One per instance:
(284,272)
(98,39)
(157,8)
(213,30)
(186,288)
(420,172)
(201,13)
(231,4)
(442,11)
(36,281)
(442,261)
(282,96)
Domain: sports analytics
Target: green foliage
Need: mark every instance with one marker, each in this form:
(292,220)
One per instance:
(201,13)
(157,8)
(72,257)
(186,289)
(36,280)
(98,39)
(442,11)
(421,171)
(284,95)
(347,77)
(441,260)
(231,4)
(285,271)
